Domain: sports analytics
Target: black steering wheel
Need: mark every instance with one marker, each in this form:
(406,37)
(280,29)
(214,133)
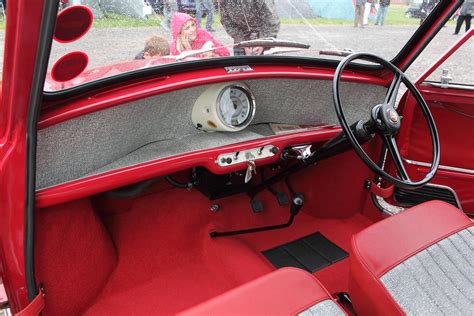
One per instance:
(385,122)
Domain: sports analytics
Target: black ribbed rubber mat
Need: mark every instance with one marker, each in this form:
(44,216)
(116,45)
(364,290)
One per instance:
(311,253)
(426,193)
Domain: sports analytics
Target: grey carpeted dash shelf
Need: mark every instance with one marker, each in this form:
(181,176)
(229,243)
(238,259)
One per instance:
(161,126)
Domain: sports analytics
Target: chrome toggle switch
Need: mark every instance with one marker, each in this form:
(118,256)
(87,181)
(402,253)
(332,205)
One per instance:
(251,167)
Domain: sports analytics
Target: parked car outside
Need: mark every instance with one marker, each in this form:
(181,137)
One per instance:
(420,9)
(186,6)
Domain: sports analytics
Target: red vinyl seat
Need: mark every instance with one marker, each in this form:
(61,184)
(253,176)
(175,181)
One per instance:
(287,291)
(419,262)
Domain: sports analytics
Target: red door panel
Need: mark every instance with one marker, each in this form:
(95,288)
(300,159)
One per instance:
(453,113)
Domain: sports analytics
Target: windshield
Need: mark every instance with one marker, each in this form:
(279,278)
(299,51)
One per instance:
(127,35)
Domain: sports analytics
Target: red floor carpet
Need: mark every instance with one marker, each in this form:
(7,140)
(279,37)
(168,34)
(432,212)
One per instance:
(167,262)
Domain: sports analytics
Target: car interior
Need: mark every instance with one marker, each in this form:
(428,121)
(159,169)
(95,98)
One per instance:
(160,225)
(194,173)
(254,187)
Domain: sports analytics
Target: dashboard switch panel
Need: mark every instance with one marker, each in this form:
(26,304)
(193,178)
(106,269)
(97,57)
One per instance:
(246,156)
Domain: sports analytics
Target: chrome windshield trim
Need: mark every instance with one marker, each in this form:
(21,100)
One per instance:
(448,168)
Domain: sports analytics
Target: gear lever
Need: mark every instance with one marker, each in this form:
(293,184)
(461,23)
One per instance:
(296,204)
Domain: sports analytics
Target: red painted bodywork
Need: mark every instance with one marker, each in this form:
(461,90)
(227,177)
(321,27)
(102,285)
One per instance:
(21,39)
(69,66)
(73,23)
(104,72)
(21,42)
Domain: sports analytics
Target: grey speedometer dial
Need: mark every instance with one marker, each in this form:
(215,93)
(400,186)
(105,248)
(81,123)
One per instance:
(235,106)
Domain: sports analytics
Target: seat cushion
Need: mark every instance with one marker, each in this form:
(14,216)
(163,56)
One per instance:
(419,261)
(287,291)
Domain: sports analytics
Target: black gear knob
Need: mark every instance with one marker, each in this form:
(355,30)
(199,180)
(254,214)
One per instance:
(297,203)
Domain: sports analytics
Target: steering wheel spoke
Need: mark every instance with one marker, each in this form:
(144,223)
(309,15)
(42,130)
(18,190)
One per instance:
(391,144)
(391,96)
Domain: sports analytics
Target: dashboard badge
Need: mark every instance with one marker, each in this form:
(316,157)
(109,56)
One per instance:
(234,69)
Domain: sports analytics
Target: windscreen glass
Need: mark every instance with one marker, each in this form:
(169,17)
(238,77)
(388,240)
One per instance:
(128,35)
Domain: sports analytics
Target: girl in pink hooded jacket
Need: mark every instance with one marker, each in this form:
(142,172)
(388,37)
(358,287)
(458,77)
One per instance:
(188,36)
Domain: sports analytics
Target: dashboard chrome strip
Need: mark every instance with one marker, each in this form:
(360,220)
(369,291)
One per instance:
(448,168)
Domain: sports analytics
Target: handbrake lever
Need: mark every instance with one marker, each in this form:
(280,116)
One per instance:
(296,204)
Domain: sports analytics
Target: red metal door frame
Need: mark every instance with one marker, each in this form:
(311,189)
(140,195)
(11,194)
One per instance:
(21,42)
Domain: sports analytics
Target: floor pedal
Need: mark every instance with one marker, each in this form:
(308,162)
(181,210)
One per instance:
(282,198)
(257,206)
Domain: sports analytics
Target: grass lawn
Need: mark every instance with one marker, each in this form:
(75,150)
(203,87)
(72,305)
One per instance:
(395,16)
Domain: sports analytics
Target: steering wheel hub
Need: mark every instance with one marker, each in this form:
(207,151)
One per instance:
(393,115)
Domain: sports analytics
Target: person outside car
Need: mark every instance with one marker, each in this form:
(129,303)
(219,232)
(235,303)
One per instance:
(382,12)
(188,36)
(155,46)
(359,13)
(370,12)
(465,14)
(208,7)
(245,20)
(169,8)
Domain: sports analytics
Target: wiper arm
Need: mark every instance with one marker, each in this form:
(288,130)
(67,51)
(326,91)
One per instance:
(271,42)
(191,53)
(337,52)
(282,50)
(263,42)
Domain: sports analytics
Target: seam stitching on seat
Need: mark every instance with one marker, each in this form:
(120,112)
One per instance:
(435,280)
(420,288)
(461,272)
(459,250)
(464,240)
